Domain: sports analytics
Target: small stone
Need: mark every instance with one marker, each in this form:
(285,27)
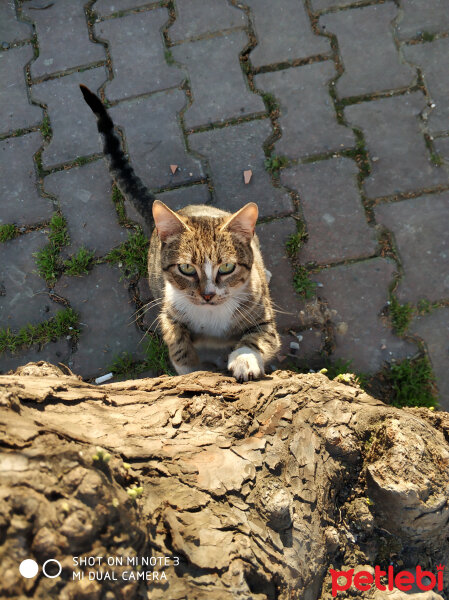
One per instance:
(173,168)
(247,176)
(294,346)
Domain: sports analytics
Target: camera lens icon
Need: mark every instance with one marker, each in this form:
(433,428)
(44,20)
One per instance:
(29,568)
(50,574)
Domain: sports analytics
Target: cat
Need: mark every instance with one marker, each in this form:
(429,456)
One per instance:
(206,267)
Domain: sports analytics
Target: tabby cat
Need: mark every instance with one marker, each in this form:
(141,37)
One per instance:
(206,267)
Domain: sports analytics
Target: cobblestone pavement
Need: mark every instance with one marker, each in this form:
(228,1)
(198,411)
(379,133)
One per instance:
(349,99)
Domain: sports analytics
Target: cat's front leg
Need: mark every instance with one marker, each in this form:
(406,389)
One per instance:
(180,347)
(254,349)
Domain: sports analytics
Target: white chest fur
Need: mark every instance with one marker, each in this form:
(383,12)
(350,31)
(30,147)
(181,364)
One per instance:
(202,319)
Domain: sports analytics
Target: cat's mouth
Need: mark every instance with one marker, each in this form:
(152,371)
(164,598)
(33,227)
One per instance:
(201,302)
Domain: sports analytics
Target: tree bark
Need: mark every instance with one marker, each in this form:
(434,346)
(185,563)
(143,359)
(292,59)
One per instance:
(245,491)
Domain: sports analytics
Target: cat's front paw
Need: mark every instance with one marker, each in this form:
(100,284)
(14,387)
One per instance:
(245,364)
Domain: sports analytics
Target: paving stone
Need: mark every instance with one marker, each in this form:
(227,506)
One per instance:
(421,234)
(273,237)
(433,59)
(419,16)
(155,140)
(53,352)
(232,150)
(74,127)
(137,49)
(433,328)
(283,32)
(196,17)
(16,112)
(106,317)
(307,115)
(20,202)
(219,87)
(85,197)
(63,37)
(104,8)
(11,29)
(370,58)
(24,296)
(333,211)
(175,199)
(357,293)
(400,160)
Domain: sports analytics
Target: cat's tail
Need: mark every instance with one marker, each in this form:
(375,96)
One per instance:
(122,172)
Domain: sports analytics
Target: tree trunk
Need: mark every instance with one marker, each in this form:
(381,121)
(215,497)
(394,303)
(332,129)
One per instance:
(235,491)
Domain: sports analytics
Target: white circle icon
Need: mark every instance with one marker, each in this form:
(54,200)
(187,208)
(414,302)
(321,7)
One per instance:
(51,560)
(28,568)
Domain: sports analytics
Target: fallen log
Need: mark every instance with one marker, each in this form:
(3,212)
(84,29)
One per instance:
(199,487)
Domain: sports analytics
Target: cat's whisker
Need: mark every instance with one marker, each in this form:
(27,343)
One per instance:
(247,316)
(146,307)
(277,310)
(149,330)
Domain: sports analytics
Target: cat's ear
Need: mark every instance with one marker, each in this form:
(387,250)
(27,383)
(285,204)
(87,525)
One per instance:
(243,221)
(167,222)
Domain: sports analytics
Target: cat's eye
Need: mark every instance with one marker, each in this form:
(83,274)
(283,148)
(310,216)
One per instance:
(226,268)
(187,269)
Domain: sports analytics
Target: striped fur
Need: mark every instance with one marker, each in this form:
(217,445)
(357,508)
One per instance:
(128,182)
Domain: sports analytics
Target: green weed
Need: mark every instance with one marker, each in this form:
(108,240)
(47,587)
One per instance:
(80,161)
(412,383)
(132,255)
(426,36)
(79,263)
(338,368)
(401,315)
(303,284)
(156,359)
(47,259)
(296,240)
(63,323)
(425,306)
(274,163)
(270,102)
(47,263)
(360,154)
(169,57)
(436,159)
(119,203)
(8,232)
(58,231)
(45,127)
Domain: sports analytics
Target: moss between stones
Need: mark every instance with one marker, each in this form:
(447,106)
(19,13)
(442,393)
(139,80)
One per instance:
(65,322)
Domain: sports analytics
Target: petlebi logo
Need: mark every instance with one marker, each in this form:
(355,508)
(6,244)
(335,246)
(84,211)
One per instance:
(403,580)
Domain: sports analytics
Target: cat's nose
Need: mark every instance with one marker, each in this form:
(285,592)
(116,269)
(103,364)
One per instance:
(208,297)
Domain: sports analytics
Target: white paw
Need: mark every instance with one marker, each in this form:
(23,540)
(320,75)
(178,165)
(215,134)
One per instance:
(245,364)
